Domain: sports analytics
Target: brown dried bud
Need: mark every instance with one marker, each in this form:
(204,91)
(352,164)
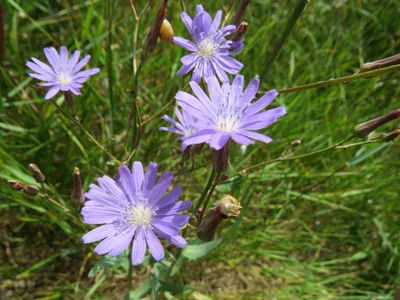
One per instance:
(221,158)
(31,190)
(296,143)
(15,184)
(390,137)
(226,207)
(382,63)
(77,193)
(366,128)
(36,173)
(240,12)
(240,31)
(166,31)
(150,43)
(224,177)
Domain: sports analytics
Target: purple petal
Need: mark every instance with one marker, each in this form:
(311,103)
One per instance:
(189,59)
(239,82)
(175,208)
(241,139)
(44,66)
(156,249)
(251,90)
(84,75)
(185,44)
(178,241)
(52,56)
(262,103)
(149,179)
(217,21)
(257,136)
(52,91)
(112,188)
(229,64)
(139,247)
(127,183)
(199,9)
(187,21)
(99,233)
(197,73)
(219,140)
(138,175)
(185,69)
(228,30)
(201,24)
(102,197)
(64,55)
(160,188)
(200,137)
(74,59)
(177,220)
(81,64)
(165,228)
(171,197)
(220,72)
(122,241)
(43,77)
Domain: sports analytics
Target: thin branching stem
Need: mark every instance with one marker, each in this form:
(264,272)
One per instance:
(77,123)
(210,181)
(109,9)
(292,21)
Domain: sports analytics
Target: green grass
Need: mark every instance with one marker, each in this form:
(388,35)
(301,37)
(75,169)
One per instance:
(324,227)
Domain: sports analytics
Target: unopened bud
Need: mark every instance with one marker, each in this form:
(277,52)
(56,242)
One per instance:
(390,137)
(31,190)
(69,97)
(36,173)
(166,31)
(145,117)
(382,63)
(240,12)
(226,207)
(296,143)
(77,193)
(15,184)
(151,40)
(366,128)
(221,158)
(240,31)
(224,177)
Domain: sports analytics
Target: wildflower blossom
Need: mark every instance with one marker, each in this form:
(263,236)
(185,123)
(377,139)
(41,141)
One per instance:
(63,73)
(133,208)
(186,127)
(228,112)
(211,51)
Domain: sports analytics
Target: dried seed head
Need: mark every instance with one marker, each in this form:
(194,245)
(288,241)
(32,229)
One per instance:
(31,190)
(228,206)
(296,143)
(390,137)
(36,173)
(15,184)
(366,128)
(166,31)
(240,31)
(150,43)
(77,193)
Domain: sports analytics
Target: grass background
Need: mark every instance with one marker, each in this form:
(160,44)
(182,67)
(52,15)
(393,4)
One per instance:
(325,227)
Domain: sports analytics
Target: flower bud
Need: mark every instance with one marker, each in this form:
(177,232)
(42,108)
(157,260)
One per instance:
(240,31)
(166,31)
(226,207)
(240,12)
(296,143)
(366,128)
(221,159)
(150,43)
(382,63)
(31,190)
(77,193)
(390,137)
(36,173)
(15,184)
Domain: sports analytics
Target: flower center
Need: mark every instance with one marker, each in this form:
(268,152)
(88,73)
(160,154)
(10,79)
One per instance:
(208,48)
(140,215)
(64,77)
(227,123)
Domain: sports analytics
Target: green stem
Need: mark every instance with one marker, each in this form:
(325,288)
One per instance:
(339,80)
(206,189)
(214,184)
(109,9)
(292,21)
(85,131)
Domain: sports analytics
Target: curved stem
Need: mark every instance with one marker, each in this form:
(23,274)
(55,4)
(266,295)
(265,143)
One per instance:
(206,189)
(77,123)
(214,184)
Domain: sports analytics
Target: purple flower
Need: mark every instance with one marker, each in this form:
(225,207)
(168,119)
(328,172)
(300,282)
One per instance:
(64,73)
(186,127)
(211,50)
(228,112)
(134,207)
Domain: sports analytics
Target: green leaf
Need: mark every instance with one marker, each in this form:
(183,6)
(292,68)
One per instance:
(118,264)
(141,291)
(194,252)
(175,288)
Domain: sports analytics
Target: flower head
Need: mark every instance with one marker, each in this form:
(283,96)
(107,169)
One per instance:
(211,51)
(228,112)
(134,207)
(186,127)
(63,73)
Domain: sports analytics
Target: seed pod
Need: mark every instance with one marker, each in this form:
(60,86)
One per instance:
(31,190)
(390,137)
(382,63)
(366,128)
(240,31)
(15,184)
(77,193)
(36,173)
(166,31)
